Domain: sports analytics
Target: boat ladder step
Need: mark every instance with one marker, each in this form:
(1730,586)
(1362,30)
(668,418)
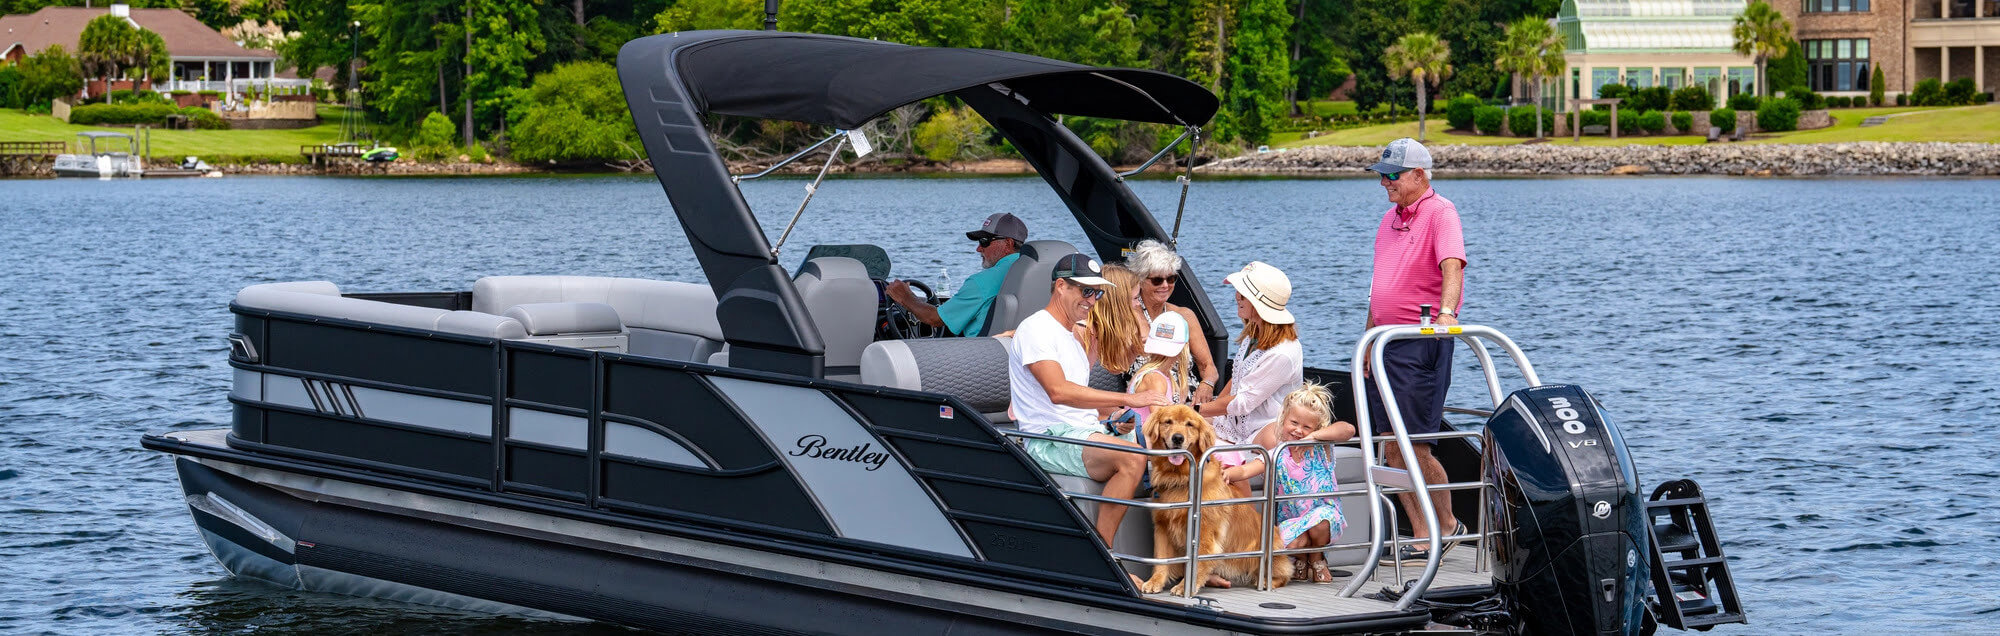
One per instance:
(1692,587)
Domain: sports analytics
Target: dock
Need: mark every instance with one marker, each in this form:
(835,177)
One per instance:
(29,157)
(323,154)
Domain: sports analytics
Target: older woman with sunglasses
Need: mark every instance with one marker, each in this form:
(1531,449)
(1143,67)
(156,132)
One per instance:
(1157,267)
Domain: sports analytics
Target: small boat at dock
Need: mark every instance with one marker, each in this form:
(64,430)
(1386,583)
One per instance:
(102,161)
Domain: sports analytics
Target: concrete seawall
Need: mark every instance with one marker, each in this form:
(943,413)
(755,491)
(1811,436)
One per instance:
(1858,158)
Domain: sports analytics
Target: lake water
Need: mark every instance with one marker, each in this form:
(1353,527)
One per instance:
(1811,350)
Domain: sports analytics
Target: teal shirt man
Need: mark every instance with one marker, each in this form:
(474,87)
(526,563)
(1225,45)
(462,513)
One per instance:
(965,313)
(1000,238)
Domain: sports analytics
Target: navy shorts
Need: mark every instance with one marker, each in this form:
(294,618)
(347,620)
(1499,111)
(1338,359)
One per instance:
(1419,373)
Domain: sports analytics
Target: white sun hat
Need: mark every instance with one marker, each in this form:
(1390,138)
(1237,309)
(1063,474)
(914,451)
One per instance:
(1267,289)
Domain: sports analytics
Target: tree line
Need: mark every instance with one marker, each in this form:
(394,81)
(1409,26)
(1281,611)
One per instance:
(476,63)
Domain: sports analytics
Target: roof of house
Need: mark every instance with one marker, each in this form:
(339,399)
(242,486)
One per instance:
(186,37)
(1662,26)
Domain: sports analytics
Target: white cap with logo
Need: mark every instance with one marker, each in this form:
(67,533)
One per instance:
(1403,154)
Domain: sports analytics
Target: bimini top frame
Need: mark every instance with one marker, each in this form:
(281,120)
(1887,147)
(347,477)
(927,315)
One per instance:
(672,80)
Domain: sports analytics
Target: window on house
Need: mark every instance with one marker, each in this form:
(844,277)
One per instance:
(1837,65)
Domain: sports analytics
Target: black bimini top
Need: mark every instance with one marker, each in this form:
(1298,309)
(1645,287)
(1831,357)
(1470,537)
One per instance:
(844,82)
(673,80)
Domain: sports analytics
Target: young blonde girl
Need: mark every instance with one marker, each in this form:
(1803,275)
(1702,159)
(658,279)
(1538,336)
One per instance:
(1303,523)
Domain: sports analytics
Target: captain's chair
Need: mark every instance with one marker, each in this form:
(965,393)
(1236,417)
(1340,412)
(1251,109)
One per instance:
(842,301)
(1025,290)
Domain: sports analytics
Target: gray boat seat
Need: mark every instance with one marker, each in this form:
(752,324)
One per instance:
(322,299)
(593,326)
(663,319)
(842,301)
(1025,289)
(974,370)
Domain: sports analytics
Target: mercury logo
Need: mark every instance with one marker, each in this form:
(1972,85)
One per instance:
(1601,510)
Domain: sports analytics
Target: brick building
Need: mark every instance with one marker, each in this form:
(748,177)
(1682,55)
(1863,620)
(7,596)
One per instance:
(1910,40)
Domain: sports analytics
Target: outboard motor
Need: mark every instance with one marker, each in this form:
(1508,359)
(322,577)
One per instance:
(1571,555)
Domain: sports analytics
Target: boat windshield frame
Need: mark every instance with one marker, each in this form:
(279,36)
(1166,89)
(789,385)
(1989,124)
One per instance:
(853,81)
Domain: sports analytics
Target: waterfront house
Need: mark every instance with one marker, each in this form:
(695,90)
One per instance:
(1910,40)
(202,58)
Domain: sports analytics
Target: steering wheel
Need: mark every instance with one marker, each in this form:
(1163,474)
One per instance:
(897,322)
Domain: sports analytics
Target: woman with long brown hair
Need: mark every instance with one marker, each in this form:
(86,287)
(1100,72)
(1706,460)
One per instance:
(1269,364)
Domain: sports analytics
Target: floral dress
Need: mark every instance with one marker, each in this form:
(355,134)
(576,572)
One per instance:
(1314,473)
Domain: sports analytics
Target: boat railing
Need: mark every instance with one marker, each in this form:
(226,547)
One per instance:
(1371,347)
(1267,503)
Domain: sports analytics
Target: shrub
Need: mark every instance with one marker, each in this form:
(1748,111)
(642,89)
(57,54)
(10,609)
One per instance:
(1651,121)
(1743,101)
(1807,99)
(11,87)
(1459,111)
(1843,102)
(574,112)
(47,75)
(959,133)
(117,114)
(1693,98)
(204,119)
(1653,98)
(1596,118)
(1778,115)
(1522,121)
(1959,92)
(139,97)
(1683,122)
(1613,91)
(1723,119)
(1929,92)
(209,93)
(1983,98)
(1902,99)
(1876,86)
(1488,118)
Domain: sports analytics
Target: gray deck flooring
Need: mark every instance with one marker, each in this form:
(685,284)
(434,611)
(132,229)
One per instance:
(1316,600)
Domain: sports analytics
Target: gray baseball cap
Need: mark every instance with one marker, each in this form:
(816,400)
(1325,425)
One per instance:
(1002,225)
(1403,154)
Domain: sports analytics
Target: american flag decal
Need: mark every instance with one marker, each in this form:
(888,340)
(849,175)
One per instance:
(944,412)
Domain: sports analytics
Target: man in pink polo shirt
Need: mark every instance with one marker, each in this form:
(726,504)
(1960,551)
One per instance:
(1419,260)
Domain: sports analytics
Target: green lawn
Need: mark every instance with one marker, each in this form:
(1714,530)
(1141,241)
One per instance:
(212,145)
(1970,123)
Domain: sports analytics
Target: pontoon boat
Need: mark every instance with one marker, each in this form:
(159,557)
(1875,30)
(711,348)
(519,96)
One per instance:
(753,452)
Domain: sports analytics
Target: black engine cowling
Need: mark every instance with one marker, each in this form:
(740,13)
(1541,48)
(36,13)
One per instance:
(1570,555)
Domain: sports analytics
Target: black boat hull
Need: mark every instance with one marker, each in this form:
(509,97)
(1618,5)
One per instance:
(312,533)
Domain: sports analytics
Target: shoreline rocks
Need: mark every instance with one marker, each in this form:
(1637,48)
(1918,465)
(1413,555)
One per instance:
(1830,159)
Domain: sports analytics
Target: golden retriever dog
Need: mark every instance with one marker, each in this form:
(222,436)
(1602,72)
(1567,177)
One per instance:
(1233,528)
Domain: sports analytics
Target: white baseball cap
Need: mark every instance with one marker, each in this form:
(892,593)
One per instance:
(1168,335)
(1403,154)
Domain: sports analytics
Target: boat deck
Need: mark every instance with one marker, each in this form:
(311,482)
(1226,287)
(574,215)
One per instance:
(1318,600)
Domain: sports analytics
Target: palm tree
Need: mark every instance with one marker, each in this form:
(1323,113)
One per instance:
(1424,59)
(1762,33)
(106,46)
(1533,48)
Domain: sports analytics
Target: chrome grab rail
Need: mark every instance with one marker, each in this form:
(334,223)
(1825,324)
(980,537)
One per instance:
(1370,348)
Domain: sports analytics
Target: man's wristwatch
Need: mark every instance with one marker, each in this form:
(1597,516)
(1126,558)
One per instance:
(1447,311)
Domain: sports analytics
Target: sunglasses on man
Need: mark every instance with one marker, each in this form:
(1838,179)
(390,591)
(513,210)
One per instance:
(988,240)
(1089,293)
(1393,176)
